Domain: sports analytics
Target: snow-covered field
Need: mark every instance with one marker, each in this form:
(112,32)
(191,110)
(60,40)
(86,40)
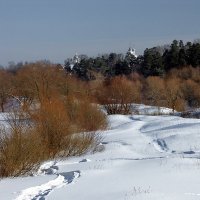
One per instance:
(141,158)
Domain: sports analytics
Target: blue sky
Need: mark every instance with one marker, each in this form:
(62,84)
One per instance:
(56,29)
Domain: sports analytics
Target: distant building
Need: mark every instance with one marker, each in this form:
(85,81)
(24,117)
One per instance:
(72,61)
(76,59)
(131,51)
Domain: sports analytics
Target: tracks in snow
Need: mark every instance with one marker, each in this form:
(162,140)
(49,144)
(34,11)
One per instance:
(139,135)
(42,191)
(160,145)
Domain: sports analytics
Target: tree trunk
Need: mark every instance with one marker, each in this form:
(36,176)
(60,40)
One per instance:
(2,107)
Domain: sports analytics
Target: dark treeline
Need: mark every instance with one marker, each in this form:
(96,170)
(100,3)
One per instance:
(155,61)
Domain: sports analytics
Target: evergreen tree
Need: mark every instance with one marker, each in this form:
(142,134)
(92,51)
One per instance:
(171,56)
(68,65)
(182,58)
(194,55)
(122,68)
(152,64)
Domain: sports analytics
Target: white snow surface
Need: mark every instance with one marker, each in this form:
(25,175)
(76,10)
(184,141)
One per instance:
(141,158)
(151,110)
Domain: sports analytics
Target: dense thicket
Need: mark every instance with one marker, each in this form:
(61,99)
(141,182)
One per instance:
(155,61)
(52,116)
(178,89)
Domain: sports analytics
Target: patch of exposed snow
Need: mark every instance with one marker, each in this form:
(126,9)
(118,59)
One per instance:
(143,158)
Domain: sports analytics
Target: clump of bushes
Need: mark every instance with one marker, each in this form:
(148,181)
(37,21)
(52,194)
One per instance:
(117,95)
(21,149)
(48,133)
(57,119)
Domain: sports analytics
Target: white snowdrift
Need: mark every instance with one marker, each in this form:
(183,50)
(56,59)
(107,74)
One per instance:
(144,158)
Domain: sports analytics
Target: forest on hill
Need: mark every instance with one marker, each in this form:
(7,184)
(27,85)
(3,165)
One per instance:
(156,61)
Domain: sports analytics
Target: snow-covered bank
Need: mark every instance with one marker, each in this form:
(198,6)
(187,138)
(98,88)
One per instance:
(150,110)
(142,157)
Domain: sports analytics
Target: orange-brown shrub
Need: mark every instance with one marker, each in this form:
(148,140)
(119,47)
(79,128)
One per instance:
(20,148)
(117,95)
(5,87)
(62,126)
(84,115)
(58,125)
(154,91)
(191,92)
(186,73)
(90,117)
(38,81)
(51,122)
(46,133)
(173,94)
